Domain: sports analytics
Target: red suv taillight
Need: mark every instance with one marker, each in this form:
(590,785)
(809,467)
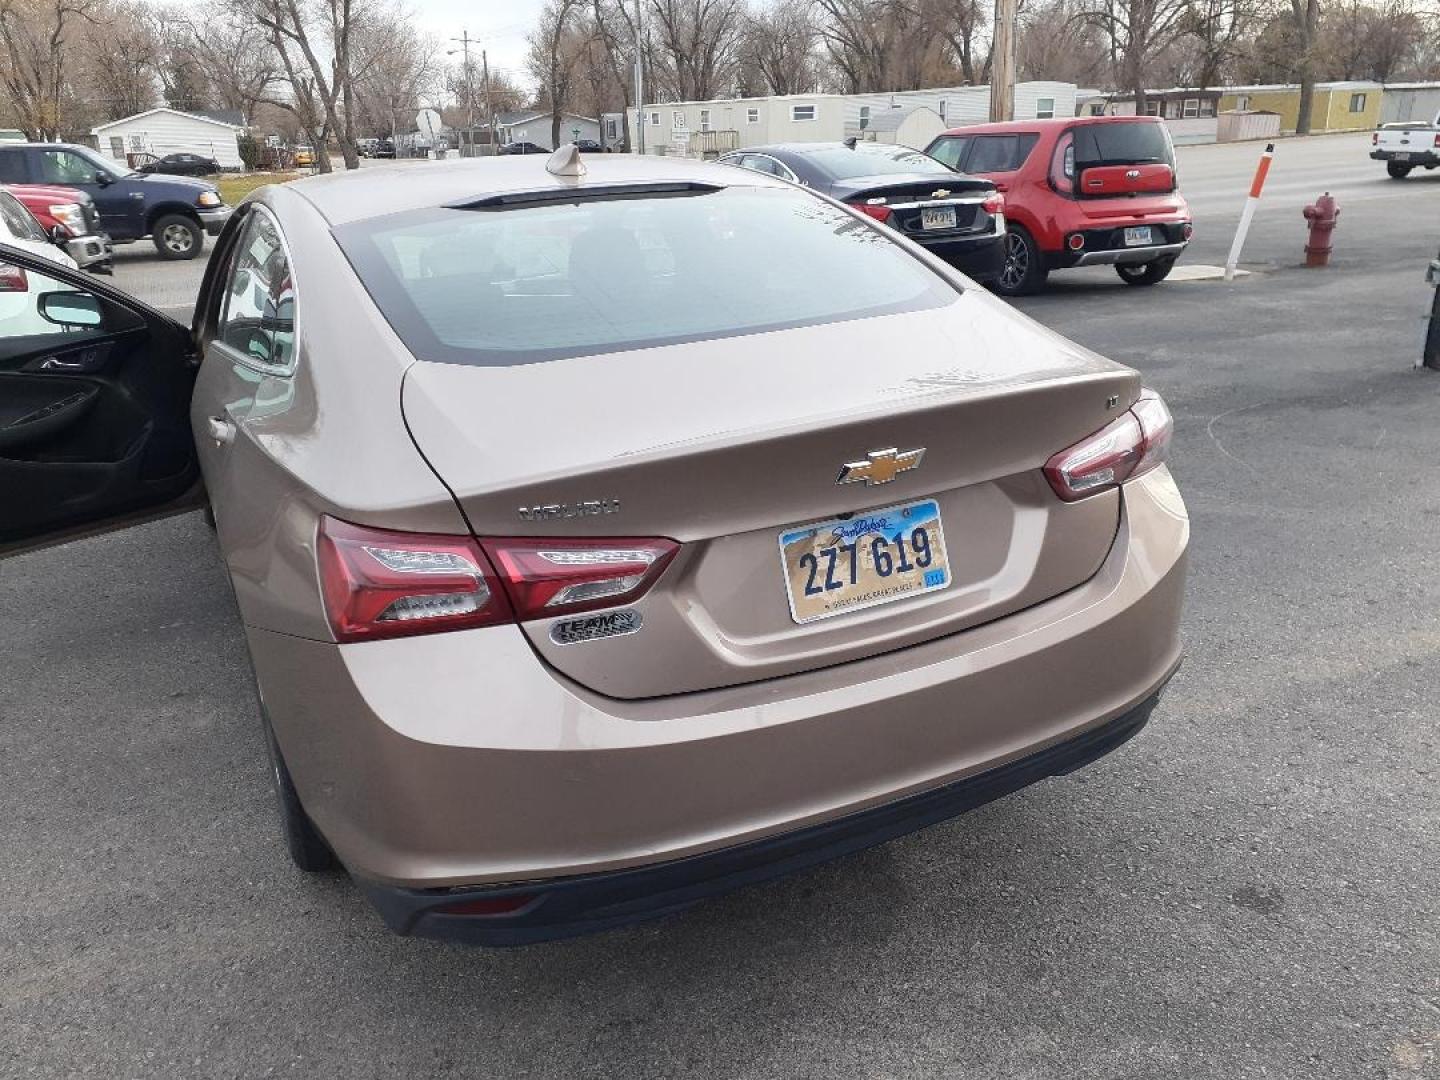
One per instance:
(994,204)
(875,210)
(382,584)
(1128,447)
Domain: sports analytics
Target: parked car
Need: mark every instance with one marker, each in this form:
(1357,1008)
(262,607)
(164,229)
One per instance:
(1406,146)
(523,148)
(1079,191)
(177,165)
(869,549)
(175,212)
(385,148)
(69,218)
(589,146)
(959,218)
(304,157)
(19,229)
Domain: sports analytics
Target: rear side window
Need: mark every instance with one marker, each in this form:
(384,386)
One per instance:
(259,317)
(12,167)
(999,153)
(540,282)
(1123,144)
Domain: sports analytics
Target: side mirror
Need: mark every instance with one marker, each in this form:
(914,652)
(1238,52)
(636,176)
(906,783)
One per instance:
(70,309)
(103,178)
(58,235)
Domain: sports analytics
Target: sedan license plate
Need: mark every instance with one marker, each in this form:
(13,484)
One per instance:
(871,558)
(1140,234)
(937,217)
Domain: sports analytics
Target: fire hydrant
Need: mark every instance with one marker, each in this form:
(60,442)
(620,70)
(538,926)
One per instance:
(1322,215)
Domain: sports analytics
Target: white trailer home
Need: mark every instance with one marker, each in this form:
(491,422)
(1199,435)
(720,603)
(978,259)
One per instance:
(671,127)
(169,131)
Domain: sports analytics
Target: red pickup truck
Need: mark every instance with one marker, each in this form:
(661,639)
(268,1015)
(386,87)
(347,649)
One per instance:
(1079,191)
(68,216)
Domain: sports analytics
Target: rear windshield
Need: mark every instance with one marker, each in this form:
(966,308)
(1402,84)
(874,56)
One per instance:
(540,282)
(1123,144)
(868,159)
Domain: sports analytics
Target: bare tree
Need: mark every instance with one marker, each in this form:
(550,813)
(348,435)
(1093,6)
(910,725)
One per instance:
(235,54)
(1306,14)
(37,36)
(778,44)
(303,38)
(554,52)
(395,68)
(965,25)
(698,40)
(1136,32)
(879,45)
(122,54)
(1216,33)
(1054,41)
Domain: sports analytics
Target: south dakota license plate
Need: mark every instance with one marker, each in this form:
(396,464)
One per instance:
(871,558)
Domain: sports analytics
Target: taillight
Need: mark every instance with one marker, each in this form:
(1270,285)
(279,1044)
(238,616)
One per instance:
(1437,140)
(561,577)
(13,278)
(1076,241)
(875,210)
(1375,138)
(1128,447)
(381,584)
(994,204)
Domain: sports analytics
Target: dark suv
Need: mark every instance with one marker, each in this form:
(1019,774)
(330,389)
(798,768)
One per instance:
(175,212)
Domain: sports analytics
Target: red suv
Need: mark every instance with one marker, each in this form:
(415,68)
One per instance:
(1080,191)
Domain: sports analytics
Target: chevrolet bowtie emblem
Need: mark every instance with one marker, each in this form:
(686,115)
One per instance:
(881,466)
(940,194)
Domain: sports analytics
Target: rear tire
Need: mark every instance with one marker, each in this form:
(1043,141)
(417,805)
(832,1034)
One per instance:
(1151,273)
(1398,170)
(1023,272)
(308,849)
(178,237)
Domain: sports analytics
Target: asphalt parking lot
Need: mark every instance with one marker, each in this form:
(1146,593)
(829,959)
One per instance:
(1250,888)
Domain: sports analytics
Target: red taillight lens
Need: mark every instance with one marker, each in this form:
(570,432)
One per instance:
(1187,231)
(381,584)
(1437,140)
(1076,241)
(875,210)
(1375,138)
(13,278)
(994,204)
(1129,447)
(561,577)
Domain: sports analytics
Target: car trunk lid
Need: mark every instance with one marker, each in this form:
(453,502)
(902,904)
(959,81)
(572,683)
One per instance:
(724,445)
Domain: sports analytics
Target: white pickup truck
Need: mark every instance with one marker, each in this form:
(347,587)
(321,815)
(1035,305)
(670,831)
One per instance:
(1406,146)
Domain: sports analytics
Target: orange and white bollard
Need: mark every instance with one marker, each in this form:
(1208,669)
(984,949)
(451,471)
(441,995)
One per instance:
(1253,200)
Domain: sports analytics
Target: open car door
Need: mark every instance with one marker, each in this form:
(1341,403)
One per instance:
(94,407)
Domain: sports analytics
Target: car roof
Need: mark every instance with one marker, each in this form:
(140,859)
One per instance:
(345,197)
(1049,125)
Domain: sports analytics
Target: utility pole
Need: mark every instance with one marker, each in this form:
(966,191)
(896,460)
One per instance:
(639,84)
(1002,63)
(464,40)
(489,102)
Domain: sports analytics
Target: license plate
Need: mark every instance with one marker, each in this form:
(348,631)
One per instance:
(1401,157)
(937,217)
(1140,234)
(875,557)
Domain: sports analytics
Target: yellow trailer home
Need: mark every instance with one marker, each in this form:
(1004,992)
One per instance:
(1335,106)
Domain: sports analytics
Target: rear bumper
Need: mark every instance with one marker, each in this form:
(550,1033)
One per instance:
(1105,246)
(591,902)
(1424,158)
(1129,256)
(980,257)
(461,760)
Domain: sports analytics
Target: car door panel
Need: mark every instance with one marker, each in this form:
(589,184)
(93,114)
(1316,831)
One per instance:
(93,419)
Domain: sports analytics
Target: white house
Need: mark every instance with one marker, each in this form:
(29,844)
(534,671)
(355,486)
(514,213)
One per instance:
(832,117)
(533,126)
(169,131)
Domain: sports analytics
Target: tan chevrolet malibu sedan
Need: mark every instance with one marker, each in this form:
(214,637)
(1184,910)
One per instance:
(608,538)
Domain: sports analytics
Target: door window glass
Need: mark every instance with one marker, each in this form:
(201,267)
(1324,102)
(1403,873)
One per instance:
(12,167)
(999,153)
(259,317)
(64,167)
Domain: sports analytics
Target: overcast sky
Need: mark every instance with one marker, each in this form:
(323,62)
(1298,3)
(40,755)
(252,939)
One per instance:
(497,26)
